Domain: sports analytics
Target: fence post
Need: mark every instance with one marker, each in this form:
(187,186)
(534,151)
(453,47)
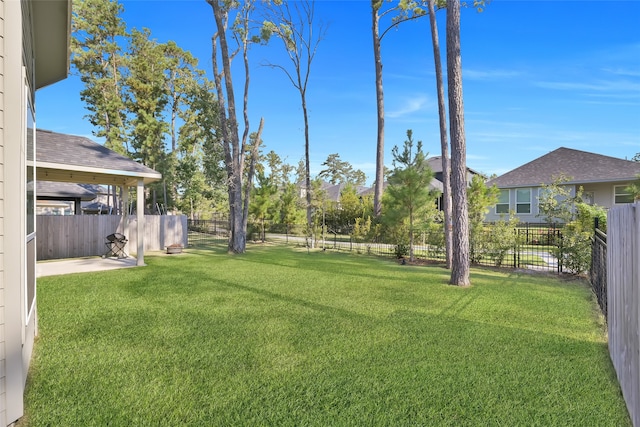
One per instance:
(515,247)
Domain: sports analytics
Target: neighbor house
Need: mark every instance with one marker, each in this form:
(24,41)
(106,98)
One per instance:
(332,191)
(64,198)
(34,52)
(603,181)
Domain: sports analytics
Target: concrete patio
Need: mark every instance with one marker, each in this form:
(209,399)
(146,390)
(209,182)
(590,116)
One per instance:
(82,265)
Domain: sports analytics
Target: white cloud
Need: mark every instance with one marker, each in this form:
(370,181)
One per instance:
(613,87)
(409,106)
(489,74)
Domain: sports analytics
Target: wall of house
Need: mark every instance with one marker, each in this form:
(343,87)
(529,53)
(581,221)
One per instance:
(3,378)
(603,195)
(603,192)
(16,333)
(531,217)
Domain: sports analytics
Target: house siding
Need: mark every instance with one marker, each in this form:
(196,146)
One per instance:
(18,336)
(3,377)
(603,195)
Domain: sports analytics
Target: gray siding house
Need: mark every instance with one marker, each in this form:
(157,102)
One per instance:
(602,178)
(34,52)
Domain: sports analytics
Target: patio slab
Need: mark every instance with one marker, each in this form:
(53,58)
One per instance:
(82,265)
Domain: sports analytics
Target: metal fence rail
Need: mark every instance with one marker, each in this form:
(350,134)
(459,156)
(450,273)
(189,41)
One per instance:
(532,246)
(598,270)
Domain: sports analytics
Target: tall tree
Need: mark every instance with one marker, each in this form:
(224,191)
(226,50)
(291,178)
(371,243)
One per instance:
(295,25)
(338,171)
(147,98)
(444,140)
(408,192)
(234,151)
(460,260)
(181,77)
(98,31)
(262,200)
(200,161)
(404,10)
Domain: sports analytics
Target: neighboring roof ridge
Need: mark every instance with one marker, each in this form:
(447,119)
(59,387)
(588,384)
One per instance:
(578,165)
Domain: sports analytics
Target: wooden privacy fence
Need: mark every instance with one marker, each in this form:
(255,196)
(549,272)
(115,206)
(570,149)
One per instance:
(623,301)
(84,235)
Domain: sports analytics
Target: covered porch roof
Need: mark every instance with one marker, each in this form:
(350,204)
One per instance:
(70,158)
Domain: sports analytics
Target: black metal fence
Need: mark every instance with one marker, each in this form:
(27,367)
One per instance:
(598,270)
(203,233)
(528,246)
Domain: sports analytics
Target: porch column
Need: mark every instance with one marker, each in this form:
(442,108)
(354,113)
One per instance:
(124,212)
(140,218)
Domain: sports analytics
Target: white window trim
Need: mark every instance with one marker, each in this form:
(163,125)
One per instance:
(508,203)
(530,203)
(622,194)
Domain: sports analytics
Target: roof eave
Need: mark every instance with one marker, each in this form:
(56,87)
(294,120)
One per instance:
(52,36)
(89,175)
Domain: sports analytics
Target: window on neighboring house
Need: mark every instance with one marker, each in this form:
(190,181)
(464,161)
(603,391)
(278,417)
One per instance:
(588,197)
(523,200)
(621,195)
(502,207)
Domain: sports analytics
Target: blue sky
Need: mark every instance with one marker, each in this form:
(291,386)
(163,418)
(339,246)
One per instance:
(536,75)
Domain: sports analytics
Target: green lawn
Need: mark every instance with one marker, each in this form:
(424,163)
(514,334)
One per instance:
(280,337)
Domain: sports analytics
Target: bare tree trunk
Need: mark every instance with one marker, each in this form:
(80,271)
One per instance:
(307,172)
(379,184)
(229,131)
(444,141)
(460,259)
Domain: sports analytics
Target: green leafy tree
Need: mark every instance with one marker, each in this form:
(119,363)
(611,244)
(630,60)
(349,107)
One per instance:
(98,33)
(557,203)
(634,188)
(338,171)
(398,12)
(147,98)
(262,200)
(289,211)
(408,193)
(342,215)
(200,171)
(480,198)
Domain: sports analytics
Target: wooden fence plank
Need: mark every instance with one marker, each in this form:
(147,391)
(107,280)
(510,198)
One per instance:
(623,319)
(84,235)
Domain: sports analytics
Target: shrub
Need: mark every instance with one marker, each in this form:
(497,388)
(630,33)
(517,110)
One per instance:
(434,237)
(501,238)
(401,250)
(575,249)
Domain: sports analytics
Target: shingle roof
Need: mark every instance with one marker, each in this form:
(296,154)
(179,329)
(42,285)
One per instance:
(63,189)
(62,152)
(579,166)
(435,163)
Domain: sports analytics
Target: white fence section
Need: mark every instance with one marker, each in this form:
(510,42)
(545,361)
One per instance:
(623,319)
(85,235)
